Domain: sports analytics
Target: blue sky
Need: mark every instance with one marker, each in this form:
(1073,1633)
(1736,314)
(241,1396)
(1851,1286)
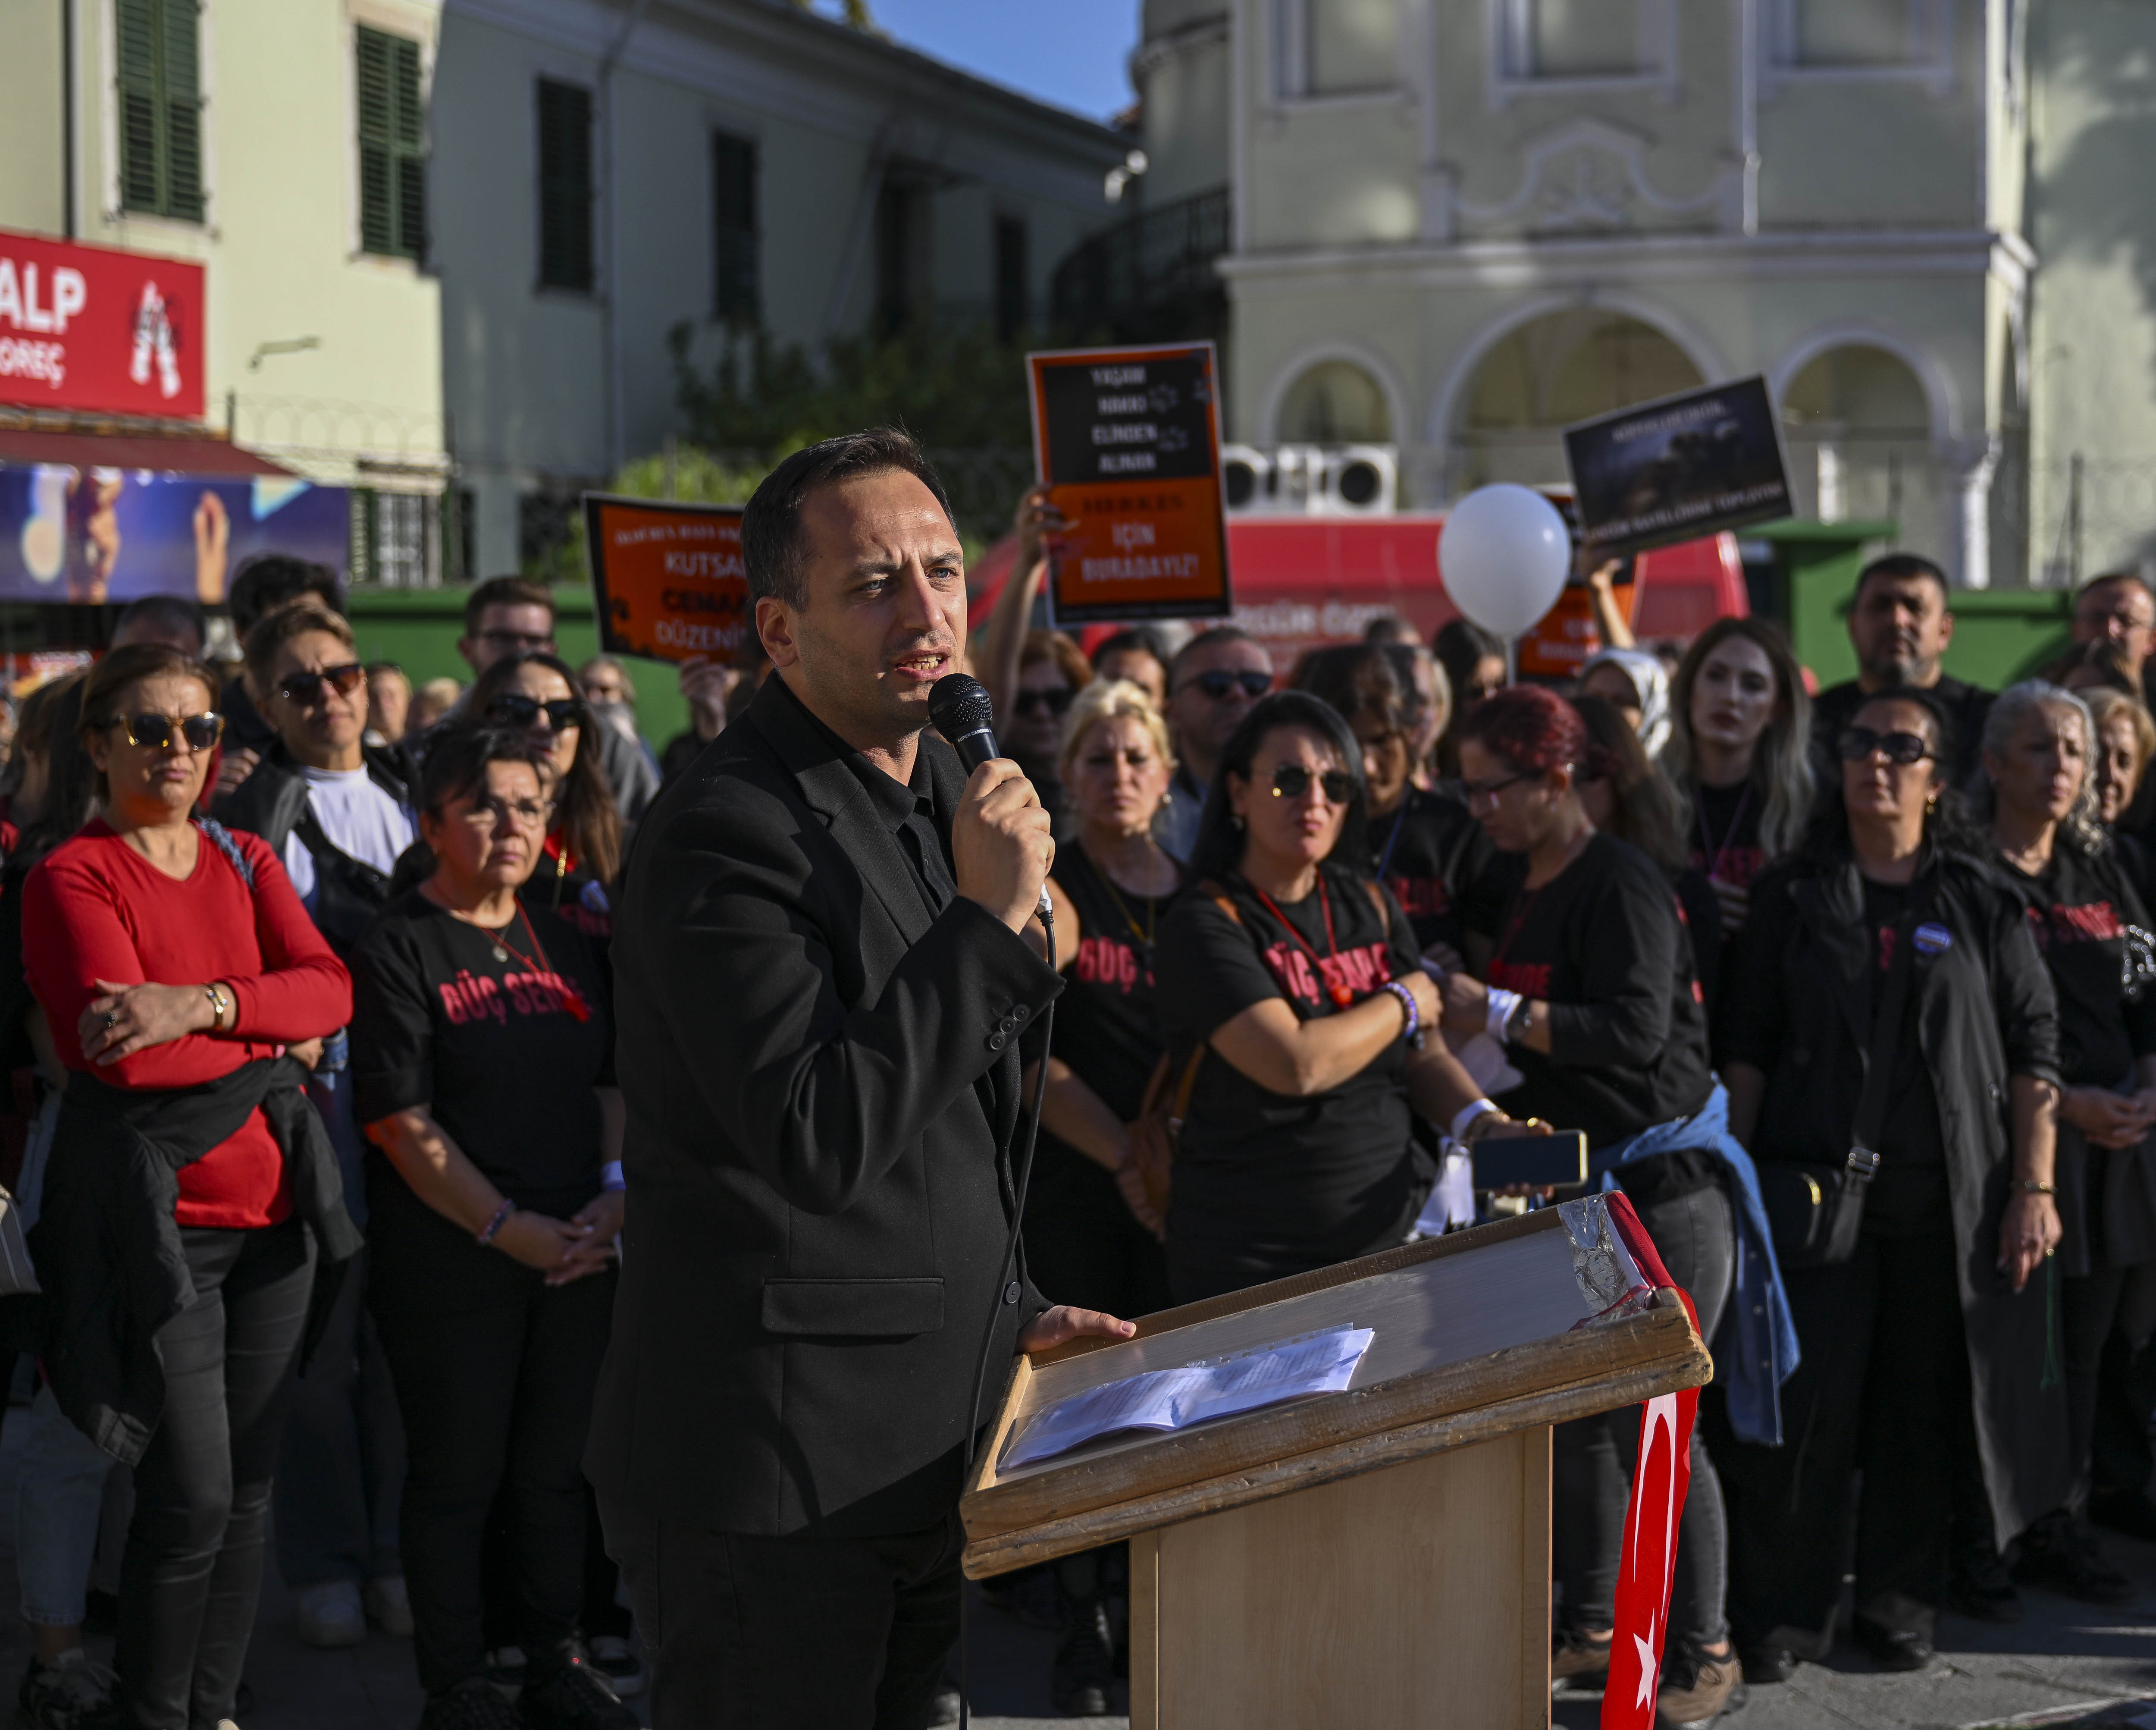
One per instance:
(1071,52)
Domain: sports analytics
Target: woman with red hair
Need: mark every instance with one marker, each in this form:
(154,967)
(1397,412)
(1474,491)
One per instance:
(1593,992)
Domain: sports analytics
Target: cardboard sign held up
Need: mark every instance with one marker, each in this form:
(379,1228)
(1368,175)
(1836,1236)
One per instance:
(668,578)
(1128,441)
(1680,468)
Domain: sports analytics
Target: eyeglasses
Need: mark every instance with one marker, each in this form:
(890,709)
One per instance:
(154,732)
(520,640)
(1056,699)
(521,813)
(513,709)
(1857,744)
(1476,790)
(306,688)
(1221,684)
(1291,781)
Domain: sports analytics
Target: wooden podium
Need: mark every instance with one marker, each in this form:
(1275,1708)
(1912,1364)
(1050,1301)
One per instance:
(1376,1556)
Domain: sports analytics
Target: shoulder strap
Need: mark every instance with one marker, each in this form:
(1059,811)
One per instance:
(221,838)
(1377,902)
(1221,899)
(1887,1033)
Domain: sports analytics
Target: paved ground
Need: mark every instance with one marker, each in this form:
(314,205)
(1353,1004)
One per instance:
(2063,1665)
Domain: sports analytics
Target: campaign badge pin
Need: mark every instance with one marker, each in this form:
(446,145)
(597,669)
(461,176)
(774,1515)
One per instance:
(1933,940)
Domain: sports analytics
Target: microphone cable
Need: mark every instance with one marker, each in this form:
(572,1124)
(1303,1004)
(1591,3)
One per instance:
(1023,1177)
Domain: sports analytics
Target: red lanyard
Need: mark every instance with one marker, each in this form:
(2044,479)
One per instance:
(1342,996)
(573,1000)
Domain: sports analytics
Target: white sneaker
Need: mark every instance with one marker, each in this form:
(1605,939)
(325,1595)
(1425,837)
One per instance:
(387,1605)
(330,1615)
(616,1661)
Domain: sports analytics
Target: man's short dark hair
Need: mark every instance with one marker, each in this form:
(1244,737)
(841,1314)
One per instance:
(771,527)
(1206,639)
(505,592)
(270,580)
(2101,577)
(1903,565)
(169,615)
(1141,639)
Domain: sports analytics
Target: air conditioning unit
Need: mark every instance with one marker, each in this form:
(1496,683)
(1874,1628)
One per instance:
(1311,480)
(1359,481)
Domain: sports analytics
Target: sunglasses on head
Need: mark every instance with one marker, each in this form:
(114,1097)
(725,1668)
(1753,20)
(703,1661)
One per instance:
(1291,781)
(1220,685)
(1056,699)
(513,709)
(1857,744)
(306,688)
(154,732)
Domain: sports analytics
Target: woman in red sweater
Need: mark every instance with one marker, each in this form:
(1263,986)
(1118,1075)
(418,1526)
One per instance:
(178,969)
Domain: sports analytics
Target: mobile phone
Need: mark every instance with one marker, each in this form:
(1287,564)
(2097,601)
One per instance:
(1543,1161)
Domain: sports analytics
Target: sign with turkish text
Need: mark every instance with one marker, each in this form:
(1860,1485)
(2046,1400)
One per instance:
(1128,442)
(107,534)
(90,329)
(1679,468)
(668,578)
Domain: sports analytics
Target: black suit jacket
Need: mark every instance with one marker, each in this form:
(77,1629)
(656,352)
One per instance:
(821,1081)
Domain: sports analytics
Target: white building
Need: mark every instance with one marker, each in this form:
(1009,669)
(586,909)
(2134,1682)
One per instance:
(1456,225)
(605,172)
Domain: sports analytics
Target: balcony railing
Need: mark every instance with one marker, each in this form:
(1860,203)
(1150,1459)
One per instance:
(1150,277)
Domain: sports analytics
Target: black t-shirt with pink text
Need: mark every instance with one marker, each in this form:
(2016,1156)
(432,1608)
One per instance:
(1267,1184)
(1604,945)
(504,1052)
(1106,1028)
(2078,908)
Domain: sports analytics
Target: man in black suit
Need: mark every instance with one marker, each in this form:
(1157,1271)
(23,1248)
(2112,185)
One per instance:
(1900,625)
(822,993)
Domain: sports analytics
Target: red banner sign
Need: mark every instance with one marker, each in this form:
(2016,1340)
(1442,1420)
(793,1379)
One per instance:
(668,578)
(87,328)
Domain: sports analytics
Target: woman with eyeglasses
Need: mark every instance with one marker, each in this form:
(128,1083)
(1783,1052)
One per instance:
(191,1189)
(1051,672)
(2080,902)
(483,1058)
(1890,1041)
(1474,664)
(1426,848)
(1593,992)
(1297,982)
(536,694)
(336,810)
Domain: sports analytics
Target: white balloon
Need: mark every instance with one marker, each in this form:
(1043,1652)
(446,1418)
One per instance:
(1503,555)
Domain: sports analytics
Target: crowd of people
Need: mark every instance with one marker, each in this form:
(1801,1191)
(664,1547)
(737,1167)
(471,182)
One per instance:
(321,1144)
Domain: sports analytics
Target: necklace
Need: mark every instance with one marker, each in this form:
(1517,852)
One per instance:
(1715,854)
(1340,994)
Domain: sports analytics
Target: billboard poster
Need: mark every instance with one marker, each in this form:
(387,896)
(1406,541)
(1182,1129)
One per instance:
(1679,469)
(98,534)
(667,579)
(1128,441)
(89,328)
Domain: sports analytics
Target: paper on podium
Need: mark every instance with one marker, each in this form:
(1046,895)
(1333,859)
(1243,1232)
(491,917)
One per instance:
(1191,1393)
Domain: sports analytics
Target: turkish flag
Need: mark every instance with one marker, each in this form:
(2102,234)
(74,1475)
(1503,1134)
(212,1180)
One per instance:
(1660,1480)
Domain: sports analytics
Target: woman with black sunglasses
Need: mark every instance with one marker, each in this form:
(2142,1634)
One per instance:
(536,694)
(1296,983)
(177,969)
(1051,672)
(1592,991)
(1887,955)
(483,1066)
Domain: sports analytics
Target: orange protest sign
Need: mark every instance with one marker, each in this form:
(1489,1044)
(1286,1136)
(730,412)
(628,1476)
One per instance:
(667,579)
(1128,441)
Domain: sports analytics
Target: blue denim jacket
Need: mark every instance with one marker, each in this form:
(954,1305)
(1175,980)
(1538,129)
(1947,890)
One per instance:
(1755,1348)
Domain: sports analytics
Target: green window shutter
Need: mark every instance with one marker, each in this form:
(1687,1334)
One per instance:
(737,245)
(158,50)
(392,155)
(564,187)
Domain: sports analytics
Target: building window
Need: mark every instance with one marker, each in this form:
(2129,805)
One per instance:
(1573,38)
(564,187)
(738,282)
(1889,39)
(393,146)
(1347,47)
(159,90)
(1014,310)
(898,236)
(391,538)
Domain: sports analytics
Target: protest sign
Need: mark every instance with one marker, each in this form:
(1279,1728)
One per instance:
(1680,468)
(667,579)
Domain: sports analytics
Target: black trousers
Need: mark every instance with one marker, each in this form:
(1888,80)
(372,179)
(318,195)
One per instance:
(1883,1387)
(497,1398)
(2103,1319)
(1593,1459)
(192,1570)
(751,1633)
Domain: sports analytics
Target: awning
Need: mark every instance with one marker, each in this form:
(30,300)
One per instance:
(194,454)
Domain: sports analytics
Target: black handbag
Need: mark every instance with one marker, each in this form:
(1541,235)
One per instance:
(1815,1212)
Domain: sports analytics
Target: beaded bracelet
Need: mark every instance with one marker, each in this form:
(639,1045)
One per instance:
(1412,1032)
(485,1235)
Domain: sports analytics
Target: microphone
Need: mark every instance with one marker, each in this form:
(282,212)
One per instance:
(959,708)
